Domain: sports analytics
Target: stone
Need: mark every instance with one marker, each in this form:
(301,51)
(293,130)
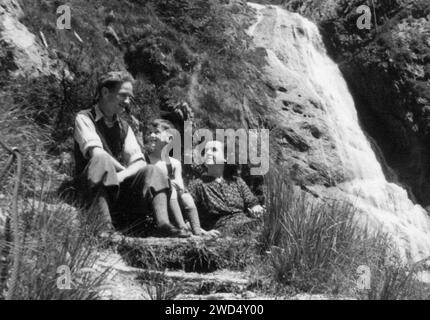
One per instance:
(19,46)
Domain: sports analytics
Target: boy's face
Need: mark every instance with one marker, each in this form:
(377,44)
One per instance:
(158,138)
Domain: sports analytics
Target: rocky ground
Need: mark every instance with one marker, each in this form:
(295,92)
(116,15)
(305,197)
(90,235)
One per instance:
(126,282)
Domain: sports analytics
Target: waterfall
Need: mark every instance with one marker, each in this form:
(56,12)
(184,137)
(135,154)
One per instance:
(295,49)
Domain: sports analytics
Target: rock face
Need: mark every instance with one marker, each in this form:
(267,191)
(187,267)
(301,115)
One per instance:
(319,130)
(20,51)
(387,69)
(303,142)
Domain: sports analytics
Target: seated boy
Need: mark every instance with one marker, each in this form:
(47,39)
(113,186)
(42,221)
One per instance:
(159,138)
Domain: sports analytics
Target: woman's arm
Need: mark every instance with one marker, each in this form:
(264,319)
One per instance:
(250,200)
(248,197)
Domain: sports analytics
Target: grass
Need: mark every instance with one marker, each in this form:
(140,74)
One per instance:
(159,288)
(317,247)
(51,232)
(212,255)
(53,235)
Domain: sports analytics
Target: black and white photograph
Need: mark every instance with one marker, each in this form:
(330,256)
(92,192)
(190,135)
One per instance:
(215,157)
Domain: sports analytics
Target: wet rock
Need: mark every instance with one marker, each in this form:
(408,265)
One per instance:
(287,136)
(313,129)
(20,49)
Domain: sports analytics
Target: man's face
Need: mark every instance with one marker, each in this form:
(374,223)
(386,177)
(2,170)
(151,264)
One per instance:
(120,97)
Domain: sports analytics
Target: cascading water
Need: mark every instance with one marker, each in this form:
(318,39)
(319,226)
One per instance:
(295,49)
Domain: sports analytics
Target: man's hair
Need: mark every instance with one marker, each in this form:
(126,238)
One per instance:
(111,80)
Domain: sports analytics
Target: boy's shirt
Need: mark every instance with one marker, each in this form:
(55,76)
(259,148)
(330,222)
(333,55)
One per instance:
(177,171)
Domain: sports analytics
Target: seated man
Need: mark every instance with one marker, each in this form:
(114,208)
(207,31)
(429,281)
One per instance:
(112,175)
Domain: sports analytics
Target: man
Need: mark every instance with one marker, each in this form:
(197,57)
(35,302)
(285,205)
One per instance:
(117,183)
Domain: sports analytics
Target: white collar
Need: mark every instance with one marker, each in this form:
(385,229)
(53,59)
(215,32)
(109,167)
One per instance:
(100,115)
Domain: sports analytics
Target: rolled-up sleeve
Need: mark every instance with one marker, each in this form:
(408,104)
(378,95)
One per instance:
(132,151)
(85,134)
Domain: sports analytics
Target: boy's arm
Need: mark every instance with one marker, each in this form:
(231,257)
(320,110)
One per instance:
(178,181)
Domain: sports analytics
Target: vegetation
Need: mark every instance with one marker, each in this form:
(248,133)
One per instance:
(193,52)
(51,231)
(318,247)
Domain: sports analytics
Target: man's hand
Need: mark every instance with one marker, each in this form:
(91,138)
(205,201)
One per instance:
(121,176)
(256,211)
(99,151)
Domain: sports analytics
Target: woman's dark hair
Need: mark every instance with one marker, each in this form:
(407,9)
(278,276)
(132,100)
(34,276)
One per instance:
(231,171)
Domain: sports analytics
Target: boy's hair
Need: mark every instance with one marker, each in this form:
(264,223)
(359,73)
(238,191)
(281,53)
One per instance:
(163,124)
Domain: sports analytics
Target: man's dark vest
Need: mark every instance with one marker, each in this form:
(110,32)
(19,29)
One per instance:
(112,140)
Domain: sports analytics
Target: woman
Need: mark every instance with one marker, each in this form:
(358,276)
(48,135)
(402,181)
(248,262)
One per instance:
(223,199)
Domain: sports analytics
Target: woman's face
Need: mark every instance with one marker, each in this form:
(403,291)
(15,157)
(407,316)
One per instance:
(214,153)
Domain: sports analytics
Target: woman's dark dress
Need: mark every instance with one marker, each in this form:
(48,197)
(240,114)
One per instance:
(221,204)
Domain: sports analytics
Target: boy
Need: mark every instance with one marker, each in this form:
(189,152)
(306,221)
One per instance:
(159,138)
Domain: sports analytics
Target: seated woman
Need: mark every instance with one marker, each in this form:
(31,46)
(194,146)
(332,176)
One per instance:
(223,199)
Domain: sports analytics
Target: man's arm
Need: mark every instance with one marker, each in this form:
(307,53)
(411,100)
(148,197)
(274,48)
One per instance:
(89,141)
(96,151)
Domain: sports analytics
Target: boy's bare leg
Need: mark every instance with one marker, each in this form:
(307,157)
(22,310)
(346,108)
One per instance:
(159,203)
(191,212)
(164,227)
(175,210)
